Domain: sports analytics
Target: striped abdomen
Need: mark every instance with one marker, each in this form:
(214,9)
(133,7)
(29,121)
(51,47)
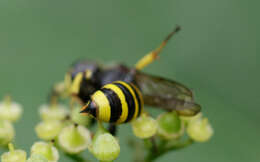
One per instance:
(118,102)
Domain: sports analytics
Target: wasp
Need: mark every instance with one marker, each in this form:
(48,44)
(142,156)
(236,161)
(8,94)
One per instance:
(117,102)
(117,93)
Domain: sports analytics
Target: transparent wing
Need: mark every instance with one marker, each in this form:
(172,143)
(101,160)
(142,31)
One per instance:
(171,95)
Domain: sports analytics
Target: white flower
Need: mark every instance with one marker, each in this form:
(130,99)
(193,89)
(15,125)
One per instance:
(48,130)
(45,149)
(7,132)
(105,147)
(53,112)
(144,126)
(74,139)
(13,155)
(200,130)
(10,111)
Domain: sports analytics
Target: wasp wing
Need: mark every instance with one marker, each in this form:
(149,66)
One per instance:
(168,94)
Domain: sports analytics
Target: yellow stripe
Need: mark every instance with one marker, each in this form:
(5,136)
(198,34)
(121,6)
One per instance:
(75,86)
(133,94)
(103,105)
(140,96)
(121,96)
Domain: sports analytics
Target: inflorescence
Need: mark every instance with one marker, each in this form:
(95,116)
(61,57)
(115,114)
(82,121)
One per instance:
(64,129)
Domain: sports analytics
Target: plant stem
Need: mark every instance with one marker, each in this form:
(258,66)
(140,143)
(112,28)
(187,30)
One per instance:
(7,100)
(76,158)
(162,149)
(154,144)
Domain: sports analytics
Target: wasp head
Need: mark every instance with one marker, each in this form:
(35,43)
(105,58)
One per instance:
(81,80)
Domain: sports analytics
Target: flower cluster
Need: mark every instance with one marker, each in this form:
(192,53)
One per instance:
(71,132)
(170,125)
(64,129)
(10,112)
(170,132)
(40,152)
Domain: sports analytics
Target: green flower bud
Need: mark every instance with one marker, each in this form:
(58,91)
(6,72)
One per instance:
(170,126)
(74,139)
(53,112)
(144,126)
(105,147)
(78,118)
(45,149)
(37,158)
(200,130)
(9,110)
(13,155)
(48,130)
(7,132)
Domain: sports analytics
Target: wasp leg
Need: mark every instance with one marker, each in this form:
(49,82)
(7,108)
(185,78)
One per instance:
(153,55)
(112,129)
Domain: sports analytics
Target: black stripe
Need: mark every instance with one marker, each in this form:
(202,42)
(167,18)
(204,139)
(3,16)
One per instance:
(130,101)
(115,104)
(138,100)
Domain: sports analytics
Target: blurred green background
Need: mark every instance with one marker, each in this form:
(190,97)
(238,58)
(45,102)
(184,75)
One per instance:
(215,54)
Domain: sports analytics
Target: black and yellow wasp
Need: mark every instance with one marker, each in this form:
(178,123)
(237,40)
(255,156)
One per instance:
(116,94)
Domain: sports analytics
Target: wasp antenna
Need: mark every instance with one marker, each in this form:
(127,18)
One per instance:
(150,57)
(176,30)
(169,36)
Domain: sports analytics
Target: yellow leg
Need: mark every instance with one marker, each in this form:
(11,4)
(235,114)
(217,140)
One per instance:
(72,103)
(151,56)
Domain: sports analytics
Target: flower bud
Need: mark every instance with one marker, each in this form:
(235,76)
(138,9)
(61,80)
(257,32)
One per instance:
(78,118)
(45,149)
(7,132)
(187,119)
(74,139)
(9,110)
(37,158)
(60,89)
(53,112)
(200,130)
(170,126)
(13,155)
(144,126)
(48,130)
(105,147)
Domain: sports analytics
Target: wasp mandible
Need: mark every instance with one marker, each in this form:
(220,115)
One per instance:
(123,86)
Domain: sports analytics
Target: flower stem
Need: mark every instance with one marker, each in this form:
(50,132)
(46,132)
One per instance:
(76,157)
(54,102)
(7,100)
(163,149)
(11,147)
